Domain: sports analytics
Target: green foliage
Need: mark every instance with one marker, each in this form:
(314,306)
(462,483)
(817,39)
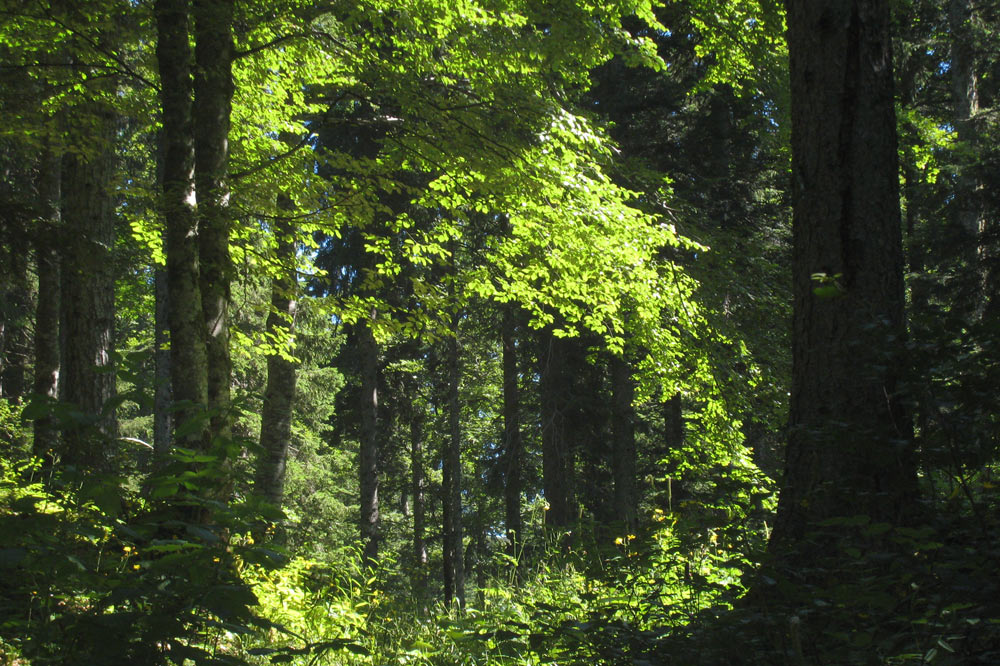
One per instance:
(85,559)
(563,614)
(11,429)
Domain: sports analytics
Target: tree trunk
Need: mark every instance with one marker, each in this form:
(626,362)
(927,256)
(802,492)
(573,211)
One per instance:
(46,375)
(673,439)
(188,362)
(87,315)
(15,324)
(213,93)
(418,486)
(623,431)
(965,93)
(558,465)
(368,354)
(968,208)
(454,553)
(850,443)
(512,435)
(162,393)
(276,413)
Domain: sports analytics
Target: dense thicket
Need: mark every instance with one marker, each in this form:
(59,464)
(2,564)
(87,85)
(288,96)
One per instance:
(498,332)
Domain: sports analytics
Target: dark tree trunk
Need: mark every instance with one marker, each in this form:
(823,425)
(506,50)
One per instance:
(16,308)
(965,93)
(276,413)
(17,297)
(87,314)
(968,208)
(480,551)
(368,355)
(188,363)
(673,440)
(558,464)
(512,435)
(418,488)
(162,393)
(623,432)
(454,553)
(46,379)
(213,93)
(850,444)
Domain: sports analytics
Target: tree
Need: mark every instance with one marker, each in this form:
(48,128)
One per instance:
(451,460)
(188,358)
(623,432)
(279,395)
(87,288)
(850,448)
(210,116)
(512,440)
(46,339)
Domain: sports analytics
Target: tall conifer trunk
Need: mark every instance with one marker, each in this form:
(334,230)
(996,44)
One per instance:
(418,486)
(162,390)
(279,394)
(87,315)
(558,464)
(623,432)
(968,208)
(368,462)
(850,444)
(512,435)
(213,93)
(46,342)
(188,361)
(15,335)
(454,560)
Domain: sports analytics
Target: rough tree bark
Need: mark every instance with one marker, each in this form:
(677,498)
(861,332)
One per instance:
(87,315)
(454,553)
(623,432)
(162,391)
(188,361)
(370,518)
(965,95)
(279,394)
(213,93)
(418,488)
(46,342)
(512,434)
(558,464)
(15,300)
(850,444)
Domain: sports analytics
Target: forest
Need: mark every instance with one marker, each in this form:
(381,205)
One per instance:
(499,332)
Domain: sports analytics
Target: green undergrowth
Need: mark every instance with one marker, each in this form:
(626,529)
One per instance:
(612,605)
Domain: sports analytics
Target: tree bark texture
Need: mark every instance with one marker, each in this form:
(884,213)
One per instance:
(16,306)
(279,394)
(512,435)
(454,553)
(965,93)
(368,355)
(162,393)
(87,315)
(188,361)
(558,464)
(46,342)
(623,433)
(418,488)
(213,93)
(850,443)
(673,440)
